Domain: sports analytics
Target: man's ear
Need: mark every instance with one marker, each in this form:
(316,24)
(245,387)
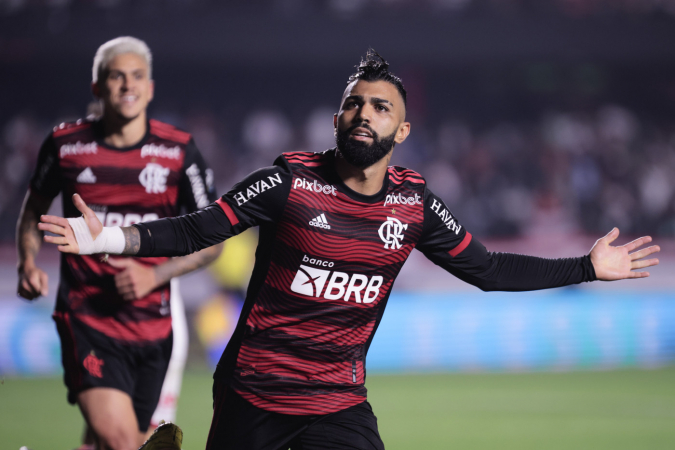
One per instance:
(402,132)
(335,117)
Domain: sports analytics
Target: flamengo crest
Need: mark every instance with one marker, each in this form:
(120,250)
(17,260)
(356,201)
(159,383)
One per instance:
(153,178)
(391,233)
(93,365)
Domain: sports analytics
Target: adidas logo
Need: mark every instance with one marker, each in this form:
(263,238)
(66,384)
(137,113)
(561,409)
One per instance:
(86,176)
(320,221)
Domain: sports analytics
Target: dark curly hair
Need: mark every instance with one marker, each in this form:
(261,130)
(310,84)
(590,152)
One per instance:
(373,67)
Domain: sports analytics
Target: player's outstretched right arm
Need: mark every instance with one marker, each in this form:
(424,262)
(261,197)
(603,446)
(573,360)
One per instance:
(86,235)
(259,198)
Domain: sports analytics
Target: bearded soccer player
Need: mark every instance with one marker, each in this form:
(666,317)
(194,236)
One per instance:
(335,229)
(113,317)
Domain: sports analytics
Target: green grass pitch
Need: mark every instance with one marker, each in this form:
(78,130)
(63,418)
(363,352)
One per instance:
(616,410)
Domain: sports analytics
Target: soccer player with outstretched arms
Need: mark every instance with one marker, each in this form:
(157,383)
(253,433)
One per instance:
(114,316)
(335,230)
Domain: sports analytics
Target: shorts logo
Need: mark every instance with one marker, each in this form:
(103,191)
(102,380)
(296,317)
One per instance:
(153,178)
(311,281)
(391,233)
(93,365)
(320,221)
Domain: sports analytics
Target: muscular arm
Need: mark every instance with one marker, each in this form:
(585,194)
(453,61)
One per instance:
(179,266)
(32,280)
(136,280)
(132,240)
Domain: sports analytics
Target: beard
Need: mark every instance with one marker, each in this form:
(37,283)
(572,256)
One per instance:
(360,154)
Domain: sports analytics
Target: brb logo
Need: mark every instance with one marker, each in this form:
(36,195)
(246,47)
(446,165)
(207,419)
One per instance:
(153,178)
(311,281)
(391,233)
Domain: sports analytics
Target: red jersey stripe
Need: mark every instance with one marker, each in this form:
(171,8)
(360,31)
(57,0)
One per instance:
(312,404)
(303,155)
(70,128)
(127,195)
(169,132)
(228,211)
(108,160)
(307,163)
(462,245)
(147,330)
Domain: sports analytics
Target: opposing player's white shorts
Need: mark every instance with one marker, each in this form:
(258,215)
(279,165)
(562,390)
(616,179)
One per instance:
(168,400)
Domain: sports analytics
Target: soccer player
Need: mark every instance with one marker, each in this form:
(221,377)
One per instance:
(113,317)
(335,229)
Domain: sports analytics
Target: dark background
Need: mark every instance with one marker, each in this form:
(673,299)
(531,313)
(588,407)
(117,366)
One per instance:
(524,113)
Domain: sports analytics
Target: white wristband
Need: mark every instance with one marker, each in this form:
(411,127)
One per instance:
(111,239)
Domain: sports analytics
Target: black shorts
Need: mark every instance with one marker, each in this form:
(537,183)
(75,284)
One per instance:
(238,425)
(91,359)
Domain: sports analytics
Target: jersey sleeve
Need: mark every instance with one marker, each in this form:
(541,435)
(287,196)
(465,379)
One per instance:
(259,199)
(196,188)
(46,180)
(448,244)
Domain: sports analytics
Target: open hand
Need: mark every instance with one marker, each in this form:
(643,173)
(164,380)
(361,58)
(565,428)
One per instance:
(617,263)
(65,238)
(135,281)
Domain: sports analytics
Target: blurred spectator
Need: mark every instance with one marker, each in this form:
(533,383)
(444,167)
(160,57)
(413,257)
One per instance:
(19,143)
(568,171)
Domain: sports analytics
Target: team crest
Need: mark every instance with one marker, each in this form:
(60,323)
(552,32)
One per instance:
(391,233)
(93,365)
(153,178)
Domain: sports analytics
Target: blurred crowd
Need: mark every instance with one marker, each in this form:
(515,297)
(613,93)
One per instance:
(560,172)
(574,8)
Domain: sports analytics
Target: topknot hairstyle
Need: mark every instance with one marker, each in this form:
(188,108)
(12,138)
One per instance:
(373,67)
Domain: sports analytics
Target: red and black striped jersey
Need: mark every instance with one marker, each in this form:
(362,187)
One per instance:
(155,178)
(332,266)
(325,266)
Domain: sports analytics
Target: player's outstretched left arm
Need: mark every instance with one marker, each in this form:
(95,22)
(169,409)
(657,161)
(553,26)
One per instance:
(86,235)
(618,263)
(452,247)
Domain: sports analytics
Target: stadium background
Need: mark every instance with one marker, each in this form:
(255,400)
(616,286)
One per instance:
(541,123)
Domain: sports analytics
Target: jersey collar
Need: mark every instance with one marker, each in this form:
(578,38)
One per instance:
(335,179)
(97,126)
